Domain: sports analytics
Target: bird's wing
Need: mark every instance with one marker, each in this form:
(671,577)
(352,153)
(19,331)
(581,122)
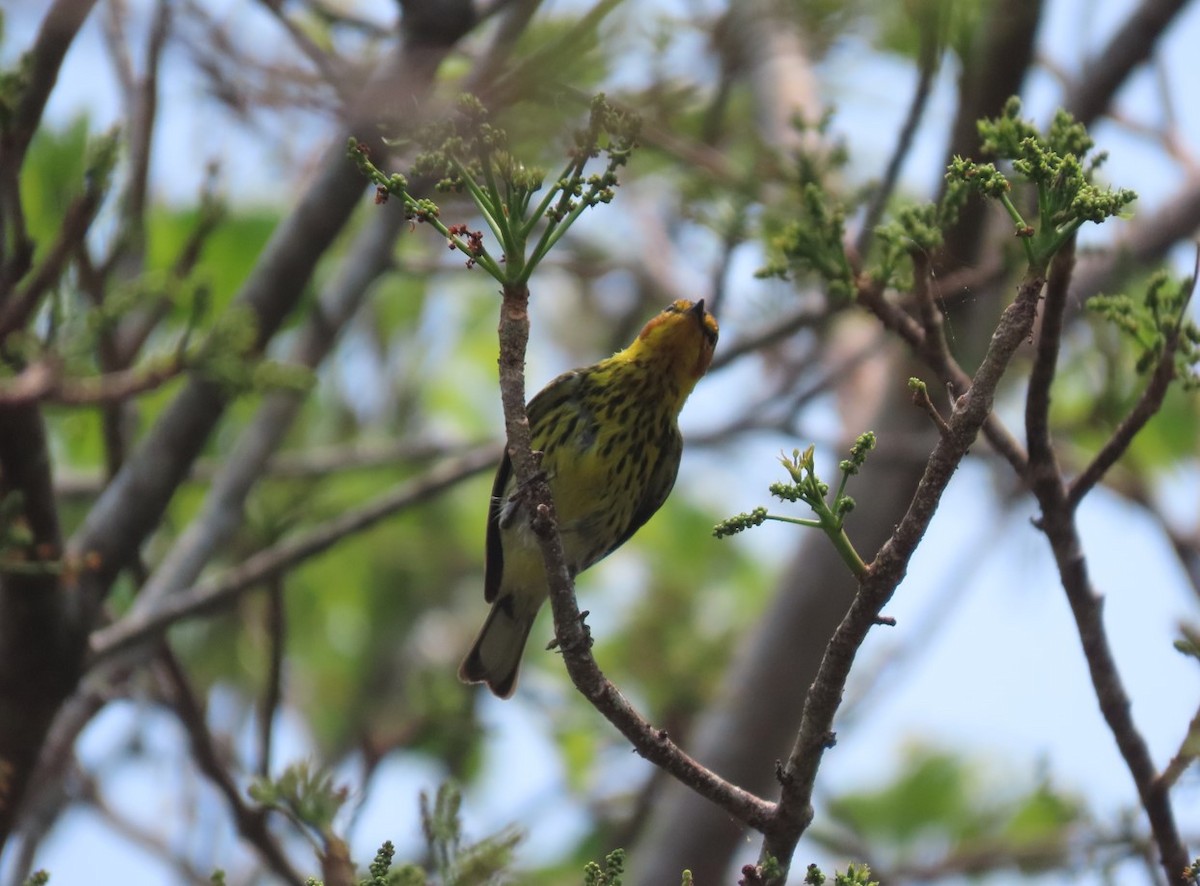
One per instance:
(661,482)
(539,410)
(495,552)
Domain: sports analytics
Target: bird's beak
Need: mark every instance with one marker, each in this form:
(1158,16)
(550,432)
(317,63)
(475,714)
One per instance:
(698,310)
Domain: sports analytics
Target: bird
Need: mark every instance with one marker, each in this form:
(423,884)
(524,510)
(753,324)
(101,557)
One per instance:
(610,447)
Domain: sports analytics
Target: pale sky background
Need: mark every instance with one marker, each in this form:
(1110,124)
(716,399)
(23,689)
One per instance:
(1003,678)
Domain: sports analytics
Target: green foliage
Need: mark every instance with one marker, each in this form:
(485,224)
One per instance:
(854,875)
(1056,165)
(1155,323)
(812,243)
(1189,643)
(807,487)
(952,24)
(610,874)
(305,793)
(37,878)
(914,228)
(308,795)
(940,800)
(552,51)
(52,175)
(13,83)
(467,153)
(460,863)
(1095,389)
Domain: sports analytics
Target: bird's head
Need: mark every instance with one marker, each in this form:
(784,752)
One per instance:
(683,335)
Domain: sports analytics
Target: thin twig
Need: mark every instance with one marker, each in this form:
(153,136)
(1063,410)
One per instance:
(946,368)
(43,381)
(75,224)
(1189,750)
(319,461)
(1130,45)
(273,691)
(928,61)
(935,350)
(333,70)
(251,821)
(138,834)
(207,596)
(1043,463)
(921,399)
(58,30)
(780,330)
(1145,409)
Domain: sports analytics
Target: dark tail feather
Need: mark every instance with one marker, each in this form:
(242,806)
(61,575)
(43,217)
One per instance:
(495,656)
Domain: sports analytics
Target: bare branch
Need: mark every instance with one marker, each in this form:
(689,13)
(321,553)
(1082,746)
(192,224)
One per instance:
(251,821)
(794,812)
(1043,462)
(221,514)
(946,367)
(273,691)
(17,311)
(43,381)
(1110,67)
(332,69)
(59,27)
(38,662)
(779,331)
(139,835)
(299,465)
(1058,523)
(928,62)
(133,503)
(207,596)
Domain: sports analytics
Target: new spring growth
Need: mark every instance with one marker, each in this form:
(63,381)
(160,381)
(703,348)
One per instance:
(807,487)
(1158,324)
(1056,165)
(467,153)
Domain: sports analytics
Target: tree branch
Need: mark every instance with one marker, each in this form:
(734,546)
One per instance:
(39,651)
(222,511)
(938,358)
(59,27)
(1058,523)
(43,381)
(928,62)
(143,625)
(17,310)
(251,821)
(1189,750)
(132,505)
(1108,69)
(794,811)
